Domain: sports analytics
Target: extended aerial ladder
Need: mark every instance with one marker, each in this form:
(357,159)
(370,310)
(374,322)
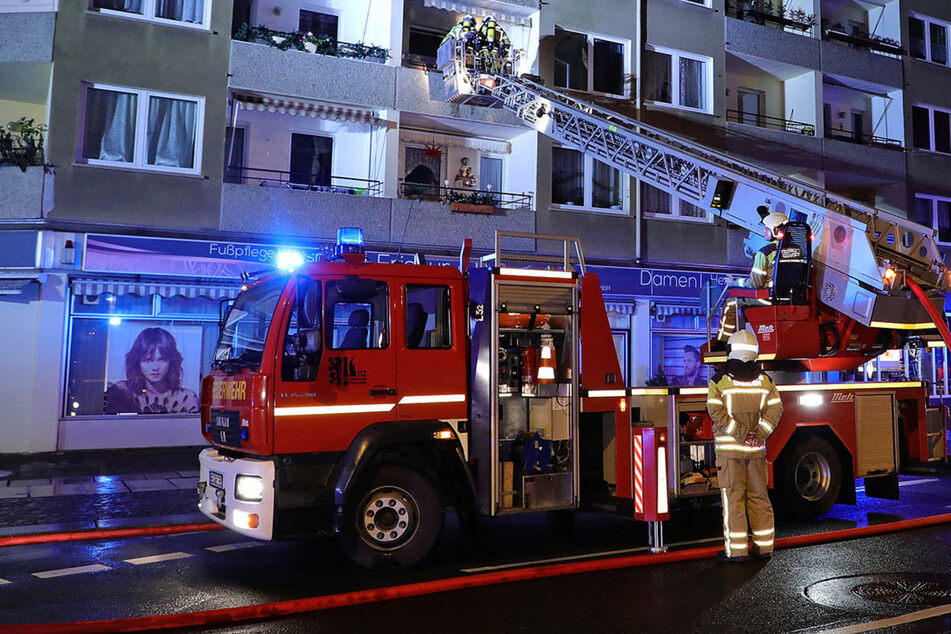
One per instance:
(871,266)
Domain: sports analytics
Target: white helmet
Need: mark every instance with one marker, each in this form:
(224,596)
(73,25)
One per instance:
(742,345)
(775,219)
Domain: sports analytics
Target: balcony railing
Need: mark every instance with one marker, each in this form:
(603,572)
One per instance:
(303,181)
(862,39)
(503,200)
(308,42)
(853,136)
(749,12)
(771,123)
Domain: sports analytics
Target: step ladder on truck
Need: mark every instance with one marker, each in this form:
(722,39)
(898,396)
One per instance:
(873,281)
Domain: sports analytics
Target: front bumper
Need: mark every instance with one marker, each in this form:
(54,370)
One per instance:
(219,503)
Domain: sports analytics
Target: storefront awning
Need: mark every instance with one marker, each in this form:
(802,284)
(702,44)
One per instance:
(301,108)
(15,285)
(481,9)
(160,288)
(621,309)
(452,140)
(666,310)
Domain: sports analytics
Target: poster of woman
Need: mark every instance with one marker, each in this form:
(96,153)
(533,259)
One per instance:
(149,376)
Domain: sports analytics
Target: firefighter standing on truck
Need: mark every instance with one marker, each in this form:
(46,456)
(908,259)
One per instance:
(745,407)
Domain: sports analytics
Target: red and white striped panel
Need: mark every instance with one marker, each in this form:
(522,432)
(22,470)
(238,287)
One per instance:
(638,474)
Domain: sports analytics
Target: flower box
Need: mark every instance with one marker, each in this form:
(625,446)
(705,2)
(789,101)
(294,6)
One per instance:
(469,208)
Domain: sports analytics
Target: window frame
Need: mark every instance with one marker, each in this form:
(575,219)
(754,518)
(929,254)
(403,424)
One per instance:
(931,127)
(329,315)
(674,215)
(448,314)
(928,22)
(675,57)
(700,3)
(934,199)
(138,163)
(588,187)
(626,71)
(148,15)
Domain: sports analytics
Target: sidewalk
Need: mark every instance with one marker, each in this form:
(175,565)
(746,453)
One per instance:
(87,490)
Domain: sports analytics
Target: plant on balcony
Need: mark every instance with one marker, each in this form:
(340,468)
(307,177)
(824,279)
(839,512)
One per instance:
(310,43)
(779,14)
(21,143)
(474,202)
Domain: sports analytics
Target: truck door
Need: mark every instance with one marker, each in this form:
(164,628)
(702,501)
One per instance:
(431,351)
(355,384)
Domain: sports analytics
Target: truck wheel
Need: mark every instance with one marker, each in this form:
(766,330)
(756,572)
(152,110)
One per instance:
(395,520)
(809,479)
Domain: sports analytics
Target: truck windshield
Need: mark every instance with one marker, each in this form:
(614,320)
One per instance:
(241,344)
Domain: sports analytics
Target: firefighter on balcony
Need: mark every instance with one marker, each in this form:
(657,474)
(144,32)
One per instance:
(494,45)
(761,275)
(745,407)
(466,32)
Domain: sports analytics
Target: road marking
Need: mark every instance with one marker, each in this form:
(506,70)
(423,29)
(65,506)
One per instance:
(606,553)
(921,615)
(228,547)
(62,572)
(907,483)
(138,561)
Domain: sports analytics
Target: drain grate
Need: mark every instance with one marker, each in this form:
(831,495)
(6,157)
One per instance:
(904,591)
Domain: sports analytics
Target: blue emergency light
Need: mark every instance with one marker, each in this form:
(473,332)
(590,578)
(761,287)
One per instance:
(349,240)
(289,260)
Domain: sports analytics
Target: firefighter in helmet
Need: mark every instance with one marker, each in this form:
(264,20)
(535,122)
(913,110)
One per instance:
(745,407)
(494,45)
(465,31)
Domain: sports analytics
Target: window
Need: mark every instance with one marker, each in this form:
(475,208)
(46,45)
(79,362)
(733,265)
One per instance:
(358,314)
(322,25)
(935,212)
(678,79)
(141,129)
(931,128)
(131,354)
(657,203)
(311,159)
(193,13)
(427,317)
(423,44)
(490,173)
(604,73)
(928,39)
(583,181)
(424,172)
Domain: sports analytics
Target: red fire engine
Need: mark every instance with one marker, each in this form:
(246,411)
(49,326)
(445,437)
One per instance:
(363,400)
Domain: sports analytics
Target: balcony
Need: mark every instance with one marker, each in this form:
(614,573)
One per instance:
(27,37)
(749,39)
(22,192)
(465,196)
(796,20)
(770,123)
(303,182)
(861,39)
(859,137)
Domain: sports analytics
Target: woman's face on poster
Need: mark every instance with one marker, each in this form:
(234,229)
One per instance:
(154,366)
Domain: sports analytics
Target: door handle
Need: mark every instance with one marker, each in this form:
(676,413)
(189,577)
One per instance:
(386,391)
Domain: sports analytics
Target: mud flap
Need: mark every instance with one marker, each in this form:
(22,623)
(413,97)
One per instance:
(885,487)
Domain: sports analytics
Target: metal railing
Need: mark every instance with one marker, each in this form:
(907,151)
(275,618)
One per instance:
(441,193)
(864,40)
(748,12)
(771,123)
(852,136)
(303,181)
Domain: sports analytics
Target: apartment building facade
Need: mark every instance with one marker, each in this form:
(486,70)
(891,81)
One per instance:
(189,141)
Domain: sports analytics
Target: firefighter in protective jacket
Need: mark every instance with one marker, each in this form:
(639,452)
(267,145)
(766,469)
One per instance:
(745,407)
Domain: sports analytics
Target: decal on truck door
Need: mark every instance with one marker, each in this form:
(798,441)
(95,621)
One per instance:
(343,371)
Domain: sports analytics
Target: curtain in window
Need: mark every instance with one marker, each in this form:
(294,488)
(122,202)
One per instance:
(939,44)
(691,84)
(943,212)
(657,70)
(916,37)
(923,213)
(130,6)
(689,210)
(606,186)
(171,133)
(192,11)
(653,200)
(567,177)
(109,128)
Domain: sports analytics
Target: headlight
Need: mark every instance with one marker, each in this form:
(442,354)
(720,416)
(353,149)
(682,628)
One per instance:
(249,488)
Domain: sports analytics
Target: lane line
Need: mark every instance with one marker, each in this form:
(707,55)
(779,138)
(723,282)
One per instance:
(238,546)
(911,617)
(78,570)
(606,553)
(907,483)
(138,561)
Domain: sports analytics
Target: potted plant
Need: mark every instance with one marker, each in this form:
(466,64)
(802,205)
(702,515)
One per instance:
(473,203)
(21,143)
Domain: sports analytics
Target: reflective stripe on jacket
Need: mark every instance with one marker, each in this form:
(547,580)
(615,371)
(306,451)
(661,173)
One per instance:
(761,275)
(739,408)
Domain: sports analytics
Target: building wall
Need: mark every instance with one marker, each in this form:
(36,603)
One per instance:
(93,47)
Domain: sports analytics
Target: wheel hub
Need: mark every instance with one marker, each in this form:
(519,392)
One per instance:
(813,476)
(388,518)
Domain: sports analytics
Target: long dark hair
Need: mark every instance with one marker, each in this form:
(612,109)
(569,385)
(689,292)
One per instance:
(162,341)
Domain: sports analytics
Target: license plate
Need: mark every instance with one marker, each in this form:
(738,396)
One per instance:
(222,420)
(216,480)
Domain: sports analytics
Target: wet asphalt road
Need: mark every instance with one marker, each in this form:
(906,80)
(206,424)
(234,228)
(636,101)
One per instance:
(793,592)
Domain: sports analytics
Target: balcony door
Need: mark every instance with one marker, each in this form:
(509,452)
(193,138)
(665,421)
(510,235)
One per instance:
(311,159)
(748,106)
(424,172)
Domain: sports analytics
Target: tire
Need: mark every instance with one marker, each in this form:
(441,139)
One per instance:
(394,520)
(809,478)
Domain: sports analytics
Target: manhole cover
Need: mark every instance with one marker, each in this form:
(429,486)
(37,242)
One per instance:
(906,591)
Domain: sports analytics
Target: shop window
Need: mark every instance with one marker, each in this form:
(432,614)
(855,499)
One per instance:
(311,159)
(141,129)
(109,304)
(193,13)
(678,79)
(656,203)
(427,317)
(675,359)
(583,181)
(358,314)
(604,73)
(931,128)
(322,25)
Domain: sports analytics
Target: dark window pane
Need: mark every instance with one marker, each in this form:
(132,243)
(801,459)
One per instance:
(689,210)
(427,317)
(311,158)
(109,128)
(916,35)
(567,177)
(692,93)
(234,155)
(571,60)
(943,213)
(942,132)
(657,71)
(939,43)
(191,11)
(424,43)
(923,213)
(654,201)
(608,67)
(358,314)
(921,127)
(606,186)
(320,24)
